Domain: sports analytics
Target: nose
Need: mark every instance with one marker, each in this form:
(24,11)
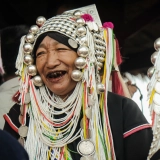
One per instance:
(52,60)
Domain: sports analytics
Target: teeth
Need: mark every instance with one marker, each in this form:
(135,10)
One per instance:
(56,74)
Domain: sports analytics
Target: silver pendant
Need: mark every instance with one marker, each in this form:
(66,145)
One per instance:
(86,147)
(23,130)
(72,43)
(21,140)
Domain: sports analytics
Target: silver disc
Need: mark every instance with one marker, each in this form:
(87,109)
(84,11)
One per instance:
(86,147)
(23,130)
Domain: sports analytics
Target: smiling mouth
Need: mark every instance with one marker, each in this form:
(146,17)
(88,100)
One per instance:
(56,74)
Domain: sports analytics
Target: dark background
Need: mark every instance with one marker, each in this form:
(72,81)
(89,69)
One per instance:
(137,23)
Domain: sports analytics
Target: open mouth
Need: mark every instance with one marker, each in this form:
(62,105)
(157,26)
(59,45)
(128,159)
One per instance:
(56,74)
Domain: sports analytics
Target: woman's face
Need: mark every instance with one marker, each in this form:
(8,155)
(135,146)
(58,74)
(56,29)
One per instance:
(55,63)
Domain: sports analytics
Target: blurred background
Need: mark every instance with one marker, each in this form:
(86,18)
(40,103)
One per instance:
(137,23)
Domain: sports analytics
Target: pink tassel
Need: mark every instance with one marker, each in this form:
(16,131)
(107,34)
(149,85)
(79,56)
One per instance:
(108,25)
(87,17)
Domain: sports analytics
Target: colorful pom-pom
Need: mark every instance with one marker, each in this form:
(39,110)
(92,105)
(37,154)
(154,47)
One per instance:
(87,17)
(108,25)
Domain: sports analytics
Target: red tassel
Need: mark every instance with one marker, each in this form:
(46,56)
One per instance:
(15,97)
(118,54)
(116,84)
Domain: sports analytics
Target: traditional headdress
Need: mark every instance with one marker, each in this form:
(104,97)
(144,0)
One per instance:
(154,98)
(48,135)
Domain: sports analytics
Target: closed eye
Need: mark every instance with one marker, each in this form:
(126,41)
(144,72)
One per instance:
(40,53)
(63,49)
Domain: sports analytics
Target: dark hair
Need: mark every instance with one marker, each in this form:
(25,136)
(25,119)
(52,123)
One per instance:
(10,41)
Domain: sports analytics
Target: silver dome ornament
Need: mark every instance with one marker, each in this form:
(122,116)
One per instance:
(80,21)
(40,20)
(80,63)
(83,40)
(76,75)
(27,47)
(81,31)
(37,80)
(34,29)
(77,13)
(154,57)
(100,87)
(29,38)
(150,72)
(28,59)
(157,44)
(32,70)
(83,51)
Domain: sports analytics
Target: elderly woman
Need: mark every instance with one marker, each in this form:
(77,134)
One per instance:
(64,110)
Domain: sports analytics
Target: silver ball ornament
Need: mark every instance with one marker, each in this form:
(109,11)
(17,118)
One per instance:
(37,80)
(77,13)
(34,29)
(154,57)
(28,59)
(27,47)
(100,87)
(32,70)
(76,75)
(80,21)
(157,44)
(40,20)
(80,63)
(81,31)
(150,72)
(83,40)
(83,51)
(29,38)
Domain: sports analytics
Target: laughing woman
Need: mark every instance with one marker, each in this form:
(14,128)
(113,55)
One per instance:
(64,110)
